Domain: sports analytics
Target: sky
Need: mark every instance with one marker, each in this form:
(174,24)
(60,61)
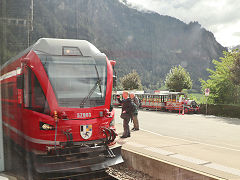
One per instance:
(221,17)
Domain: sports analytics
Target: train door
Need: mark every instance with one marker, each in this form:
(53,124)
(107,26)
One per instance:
(155,101)
(9,102)
(35,105)
(8,120)
(169,103)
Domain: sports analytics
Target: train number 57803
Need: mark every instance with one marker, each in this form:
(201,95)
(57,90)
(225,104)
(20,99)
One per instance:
(84,115)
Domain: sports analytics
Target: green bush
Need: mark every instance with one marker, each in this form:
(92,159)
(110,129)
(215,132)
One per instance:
(225,110)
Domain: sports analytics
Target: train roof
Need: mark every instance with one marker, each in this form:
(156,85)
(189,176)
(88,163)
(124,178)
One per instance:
(176,93)
(53,46)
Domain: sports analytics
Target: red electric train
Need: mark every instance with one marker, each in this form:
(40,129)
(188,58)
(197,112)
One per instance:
(56,107)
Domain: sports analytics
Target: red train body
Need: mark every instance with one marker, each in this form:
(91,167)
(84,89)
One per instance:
(56,102)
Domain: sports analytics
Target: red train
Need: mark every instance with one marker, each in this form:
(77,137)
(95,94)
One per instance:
(56,106)
(165,101)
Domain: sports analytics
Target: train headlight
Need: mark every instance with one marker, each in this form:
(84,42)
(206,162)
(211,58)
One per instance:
(71,51)
(45,126)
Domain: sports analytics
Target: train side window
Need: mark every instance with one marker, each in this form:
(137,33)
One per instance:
(34,97)
(39,102)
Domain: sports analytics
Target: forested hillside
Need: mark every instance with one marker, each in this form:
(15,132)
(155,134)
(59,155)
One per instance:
(145,41)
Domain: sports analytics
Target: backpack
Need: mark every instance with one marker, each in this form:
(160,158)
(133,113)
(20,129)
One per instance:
(137,102)
(134,109)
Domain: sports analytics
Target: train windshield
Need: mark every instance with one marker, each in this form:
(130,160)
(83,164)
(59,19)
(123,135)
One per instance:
(77,81)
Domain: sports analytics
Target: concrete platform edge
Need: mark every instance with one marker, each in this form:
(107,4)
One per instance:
(161,169)
(6,176)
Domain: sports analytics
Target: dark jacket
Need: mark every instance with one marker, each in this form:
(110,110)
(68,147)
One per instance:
(127,106)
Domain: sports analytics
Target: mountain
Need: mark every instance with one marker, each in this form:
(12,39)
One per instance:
(234,47)
(145,41)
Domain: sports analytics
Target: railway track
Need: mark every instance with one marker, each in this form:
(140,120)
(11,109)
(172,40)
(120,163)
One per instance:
(98,175)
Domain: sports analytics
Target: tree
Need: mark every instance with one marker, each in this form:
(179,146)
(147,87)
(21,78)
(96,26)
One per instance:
(178,79)
(131,81)
(235,74)
(235,70)
(222,81)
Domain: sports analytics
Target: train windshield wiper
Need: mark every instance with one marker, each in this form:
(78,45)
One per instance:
(97,84)
(99,80)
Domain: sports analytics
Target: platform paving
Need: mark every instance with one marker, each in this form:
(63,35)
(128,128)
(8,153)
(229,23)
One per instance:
(211,161)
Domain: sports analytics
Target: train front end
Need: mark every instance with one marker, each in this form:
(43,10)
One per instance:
(66,108)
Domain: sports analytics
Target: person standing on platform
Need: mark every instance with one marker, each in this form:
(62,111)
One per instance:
(135,113)
(127,110)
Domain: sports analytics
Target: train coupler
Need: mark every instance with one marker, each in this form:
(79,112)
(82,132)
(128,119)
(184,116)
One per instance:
(110,152)
(110,136)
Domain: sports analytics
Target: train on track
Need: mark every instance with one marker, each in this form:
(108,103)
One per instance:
(56,107)
(163,101)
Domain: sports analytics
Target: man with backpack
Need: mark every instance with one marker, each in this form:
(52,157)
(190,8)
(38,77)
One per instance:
(135,113)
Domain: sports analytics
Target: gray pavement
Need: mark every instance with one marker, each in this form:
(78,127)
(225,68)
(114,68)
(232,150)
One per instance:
(219,131)
(203,143)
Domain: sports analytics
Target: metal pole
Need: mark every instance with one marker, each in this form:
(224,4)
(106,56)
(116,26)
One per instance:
(77,14)
(28,35)
(4,43)
(31,7)
(1,140)
(206,105)
(4,31)
(30,22)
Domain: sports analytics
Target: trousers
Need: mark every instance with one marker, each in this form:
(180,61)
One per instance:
(135,121)
(126,130)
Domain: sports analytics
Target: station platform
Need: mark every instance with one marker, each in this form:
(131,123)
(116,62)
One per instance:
(5,176)
(169,158)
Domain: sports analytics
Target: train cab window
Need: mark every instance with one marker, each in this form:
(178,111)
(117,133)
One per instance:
(39,102)
(69,74)
(34,97)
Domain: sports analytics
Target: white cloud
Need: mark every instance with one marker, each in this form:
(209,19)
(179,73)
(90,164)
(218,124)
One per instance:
(229,34)
(221,17)
(236,34)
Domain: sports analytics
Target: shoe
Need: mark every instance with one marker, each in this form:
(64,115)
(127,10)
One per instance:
(134,129)
(123,136)
(129,135)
